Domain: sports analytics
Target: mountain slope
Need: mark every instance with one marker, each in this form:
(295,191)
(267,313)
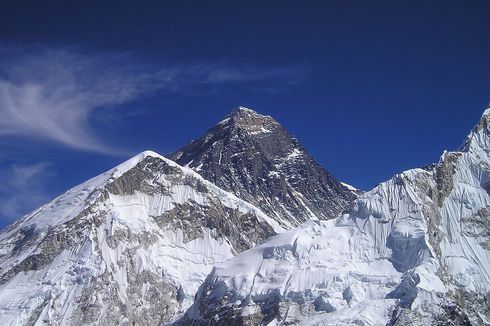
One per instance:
(412,251)
(130,246)
(254,157)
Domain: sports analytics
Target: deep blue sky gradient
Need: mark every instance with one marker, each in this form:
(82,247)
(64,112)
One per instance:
(371,89)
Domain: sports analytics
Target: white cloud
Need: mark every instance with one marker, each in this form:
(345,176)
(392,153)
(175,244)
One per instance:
(53,94)
(22,190)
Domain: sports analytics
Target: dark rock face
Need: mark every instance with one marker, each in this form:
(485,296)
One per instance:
(254,157)
(243,230)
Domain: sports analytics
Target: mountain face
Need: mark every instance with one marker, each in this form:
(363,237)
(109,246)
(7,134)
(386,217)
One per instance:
(129,247)
(415,250)
(254,157)
(151,242)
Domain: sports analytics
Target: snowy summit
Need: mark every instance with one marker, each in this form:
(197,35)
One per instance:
(244,227)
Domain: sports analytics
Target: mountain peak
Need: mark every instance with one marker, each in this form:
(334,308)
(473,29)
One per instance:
(141,236)
(485,115)
(257,159)
(403,253)
(133,161)
(479,137)
(250,121)
(240,110)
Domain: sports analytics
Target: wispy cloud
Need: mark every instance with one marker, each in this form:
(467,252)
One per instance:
(22,190)
(53,94)
(225,74)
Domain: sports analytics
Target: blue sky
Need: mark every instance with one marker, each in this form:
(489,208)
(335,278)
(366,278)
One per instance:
(370,88)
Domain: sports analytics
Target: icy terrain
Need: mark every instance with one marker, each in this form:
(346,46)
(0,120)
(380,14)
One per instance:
(130,246)
(137,244)
(412,251)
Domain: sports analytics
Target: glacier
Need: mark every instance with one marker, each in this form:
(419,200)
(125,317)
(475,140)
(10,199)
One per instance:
(152,242)
(131,245)
(412,251)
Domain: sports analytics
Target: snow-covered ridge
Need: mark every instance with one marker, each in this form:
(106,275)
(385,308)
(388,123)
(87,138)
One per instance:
(414,250)
(132,244)
(78,197)
(338,272)
(85,194)
(353,189)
